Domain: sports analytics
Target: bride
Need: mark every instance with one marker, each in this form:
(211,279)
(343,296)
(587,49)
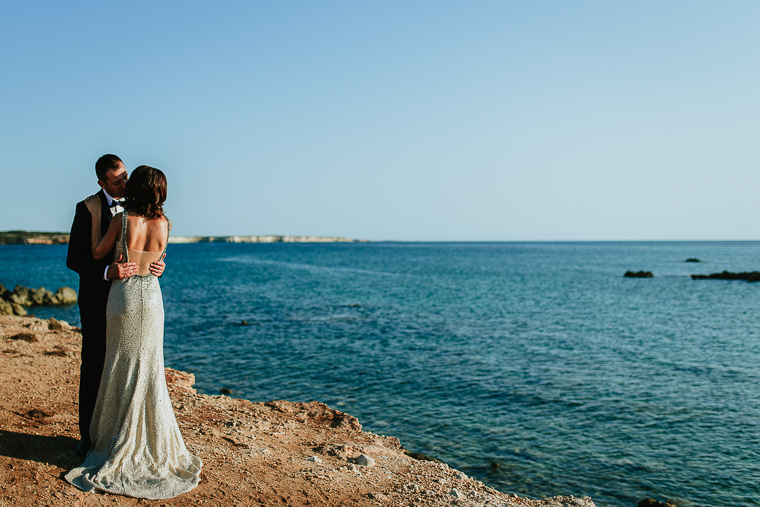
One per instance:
(137,449)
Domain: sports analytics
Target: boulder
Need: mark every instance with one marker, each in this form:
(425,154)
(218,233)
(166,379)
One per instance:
(364,460)
(66,296)
(18,310)
(4,293)
(24,296)
(638,274)
(21,296)
(5,308)
(40,296)
(693,259)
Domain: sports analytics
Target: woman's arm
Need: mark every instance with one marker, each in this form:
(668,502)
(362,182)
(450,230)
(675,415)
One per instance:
(94,206)
(104,245)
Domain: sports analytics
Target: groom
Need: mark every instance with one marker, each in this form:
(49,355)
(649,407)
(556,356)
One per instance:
(94,283)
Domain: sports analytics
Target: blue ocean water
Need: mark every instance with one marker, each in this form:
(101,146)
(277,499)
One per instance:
(534,367)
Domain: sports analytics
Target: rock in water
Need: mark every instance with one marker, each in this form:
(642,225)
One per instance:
(66,296)
(651,502)
(638,274)
(753,276)
(20,296)
(5,308)
(693,259)
(40,297)
(24,296)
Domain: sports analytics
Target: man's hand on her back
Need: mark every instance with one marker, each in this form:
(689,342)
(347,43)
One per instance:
(120,270)
(157,268)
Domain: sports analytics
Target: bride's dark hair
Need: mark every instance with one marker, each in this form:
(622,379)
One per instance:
(146,192)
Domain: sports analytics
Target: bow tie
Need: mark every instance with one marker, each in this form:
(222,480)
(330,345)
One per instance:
(115,203)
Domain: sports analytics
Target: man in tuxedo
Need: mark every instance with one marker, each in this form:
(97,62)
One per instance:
(94,283)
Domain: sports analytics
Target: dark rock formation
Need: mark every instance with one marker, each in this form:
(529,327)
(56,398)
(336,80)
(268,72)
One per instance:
(651,502)
(421,457)
(13,302)
(693,259)
(24,337)
(638,274)
(753,276)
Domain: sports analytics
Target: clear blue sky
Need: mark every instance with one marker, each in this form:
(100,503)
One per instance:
(408,120)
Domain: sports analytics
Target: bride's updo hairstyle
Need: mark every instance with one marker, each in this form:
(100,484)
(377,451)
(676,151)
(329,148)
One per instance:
(146,192)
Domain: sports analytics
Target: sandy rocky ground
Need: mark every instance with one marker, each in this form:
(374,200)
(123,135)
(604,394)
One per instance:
(274,453)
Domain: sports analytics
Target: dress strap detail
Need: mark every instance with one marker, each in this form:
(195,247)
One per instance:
(124,235)
(168,230)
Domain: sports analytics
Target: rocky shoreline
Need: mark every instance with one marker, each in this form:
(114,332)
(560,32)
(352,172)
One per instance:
(263,454)
(14,302)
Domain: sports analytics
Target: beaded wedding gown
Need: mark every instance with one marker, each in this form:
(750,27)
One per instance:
(137,449)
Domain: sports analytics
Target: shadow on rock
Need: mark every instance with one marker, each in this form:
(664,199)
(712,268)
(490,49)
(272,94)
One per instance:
(58,451)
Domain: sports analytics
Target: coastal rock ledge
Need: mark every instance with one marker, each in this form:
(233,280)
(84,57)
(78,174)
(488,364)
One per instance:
(262,454)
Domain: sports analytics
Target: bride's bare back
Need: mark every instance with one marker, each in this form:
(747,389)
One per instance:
(146,240)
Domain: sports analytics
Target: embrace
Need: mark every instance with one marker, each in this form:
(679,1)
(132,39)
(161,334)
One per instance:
(129,436)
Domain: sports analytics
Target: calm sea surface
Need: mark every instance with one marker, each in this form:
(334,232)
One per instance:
(534,367)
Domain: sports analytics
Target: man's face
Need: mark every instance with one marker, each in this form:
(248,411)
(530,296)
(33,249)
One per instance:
(116,182)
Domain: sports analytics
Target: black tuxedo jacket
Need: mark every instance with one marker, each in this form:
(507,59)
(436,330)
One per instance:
(93,288)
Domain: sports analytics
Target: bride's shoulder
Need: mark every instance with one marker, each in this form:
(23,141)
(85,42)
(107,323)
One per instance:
(167,221)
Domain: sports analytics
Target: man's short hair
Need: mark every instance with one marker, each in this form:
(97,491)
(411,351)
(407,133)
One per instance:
(105,164)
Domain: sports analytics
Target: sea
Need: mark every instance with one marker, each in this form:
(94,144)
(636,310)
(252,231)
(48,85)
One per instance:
(536,368)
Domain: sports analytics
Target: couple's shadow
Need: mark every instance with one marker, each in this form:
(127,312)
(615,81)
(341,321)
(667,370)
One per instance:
(58,451)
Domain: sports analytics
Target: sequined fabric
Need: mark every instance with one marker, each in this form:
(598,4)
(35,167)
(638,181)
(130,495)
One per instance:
(137,449)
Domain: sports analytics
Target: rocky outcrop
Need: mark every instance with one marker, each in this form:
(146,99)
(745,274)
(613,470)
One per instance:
(693,259)
(13,302)
(33,238)
(638,274)
(753,276)
(272,453)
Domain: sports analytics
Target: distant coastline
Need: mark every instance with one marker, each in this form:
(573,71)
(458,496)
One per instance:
(60,238)
(263,239)
(33,238)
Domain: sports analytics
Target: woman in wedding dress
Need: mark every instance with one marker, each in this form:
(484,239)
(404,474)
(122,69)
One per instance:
(137,449)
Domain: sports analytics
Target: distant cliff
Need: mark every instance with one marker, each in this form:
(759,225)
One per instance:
(58,238)
(262,239)
(33,238)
